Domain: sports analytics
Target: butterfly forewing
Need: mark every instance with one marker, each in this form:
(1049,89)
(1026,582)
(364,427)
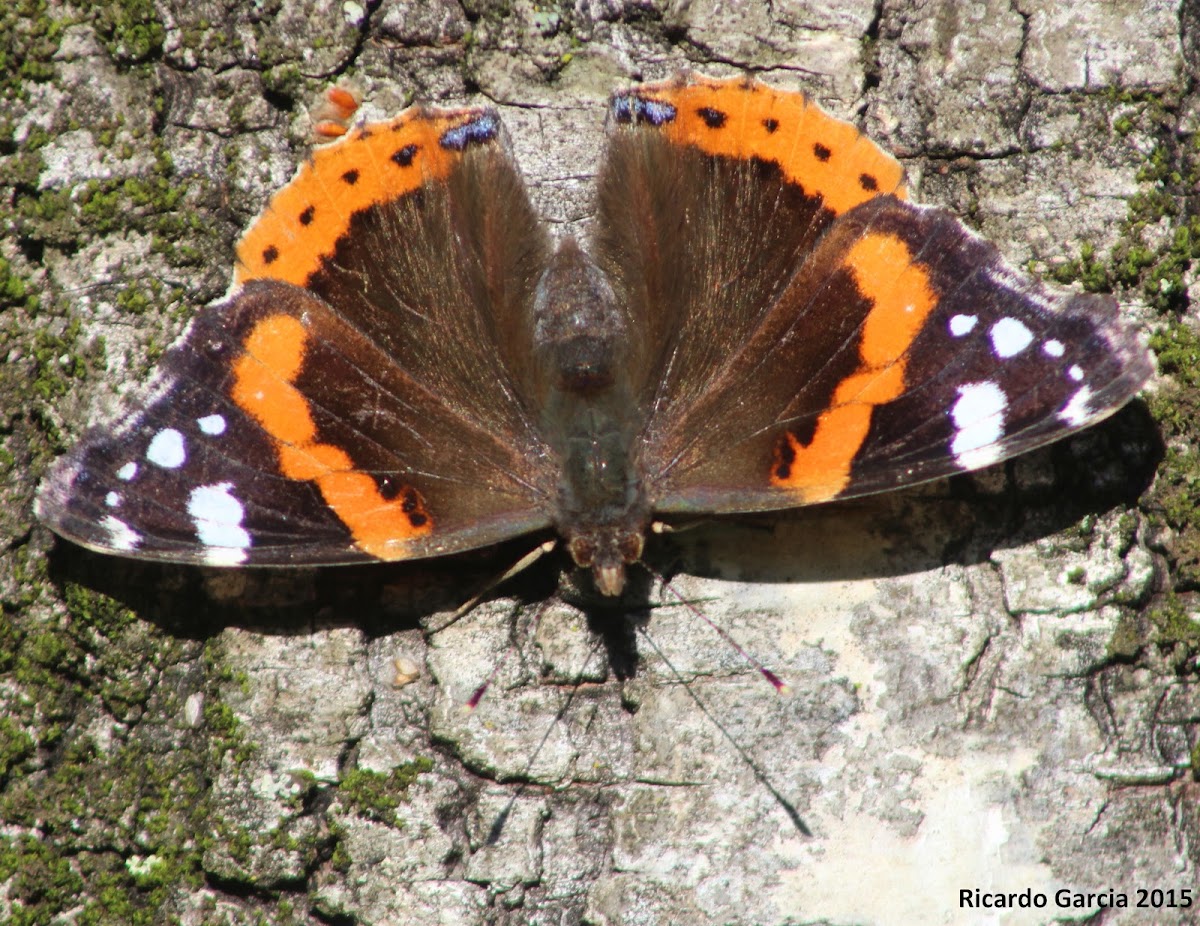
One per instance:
(130,488)
(1001,365)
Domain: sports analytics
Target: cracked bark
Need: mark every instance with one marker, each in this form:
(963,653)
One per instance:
(958,716)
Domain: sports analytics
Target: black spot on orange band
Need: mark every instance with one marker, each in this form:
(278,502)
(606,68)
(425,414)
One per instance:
(264,386)
(785,456)
(817,467)
(306,216)
(404,156)
(824,156)
(350,177)
(868,182)
(413,507)
(270,254)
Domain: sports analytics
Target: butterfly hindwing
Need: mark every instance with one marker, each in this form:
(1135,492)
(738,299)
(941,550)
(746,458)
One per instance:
(333,423)
(699,234)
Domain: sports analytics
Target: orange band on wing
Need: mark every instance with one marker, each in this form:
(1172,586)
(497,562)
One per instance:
(374,164)
(263,386)
(901,298)
(745,119)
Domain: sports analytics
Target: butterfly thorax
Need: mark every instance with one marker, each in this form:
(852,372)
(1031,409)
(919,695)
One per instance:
(580,340)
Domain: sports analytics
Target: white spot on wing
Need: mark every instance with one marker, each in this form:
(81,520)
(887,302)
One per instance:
(120,535)
(217,516)
(1010,337)
(224,556)
(213,425)
(1075,372)
(112,499)
(1076,411)
(166,449)
(961,325)
(978,416)
(1053,348)
(127,472)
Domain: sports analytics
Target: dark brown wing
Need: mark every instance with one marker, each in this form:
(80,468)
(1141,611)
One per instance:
(805,334)
(378,412)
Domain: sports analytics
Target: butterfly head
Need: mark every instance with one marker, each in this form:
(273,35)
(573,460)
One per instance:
(608,552)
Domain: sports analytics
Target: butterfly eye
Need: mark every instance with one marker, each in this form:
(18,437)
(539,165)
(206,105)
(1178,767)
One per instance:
(631,546)
(582,550)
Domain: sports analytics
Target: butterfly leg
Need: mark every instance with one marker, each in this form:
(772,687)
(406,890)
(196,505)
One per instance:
(518,567)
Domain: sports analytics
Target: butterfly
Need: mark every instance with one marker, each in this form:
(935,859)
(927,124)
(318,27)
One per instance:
(408,366)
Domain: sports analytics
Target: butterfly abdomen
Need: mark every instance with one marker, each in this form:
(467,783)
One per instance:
(580,344)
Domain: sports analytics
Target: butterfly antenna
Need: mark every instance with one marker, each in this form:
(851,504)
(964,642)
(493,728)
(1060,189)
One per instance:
(759,773)
(778,683)
(478,693)
(497,827)
(661,527)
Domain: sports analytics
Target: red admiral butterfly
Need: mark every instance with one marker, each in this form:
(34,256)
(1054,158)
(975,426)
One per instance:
(408,366)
